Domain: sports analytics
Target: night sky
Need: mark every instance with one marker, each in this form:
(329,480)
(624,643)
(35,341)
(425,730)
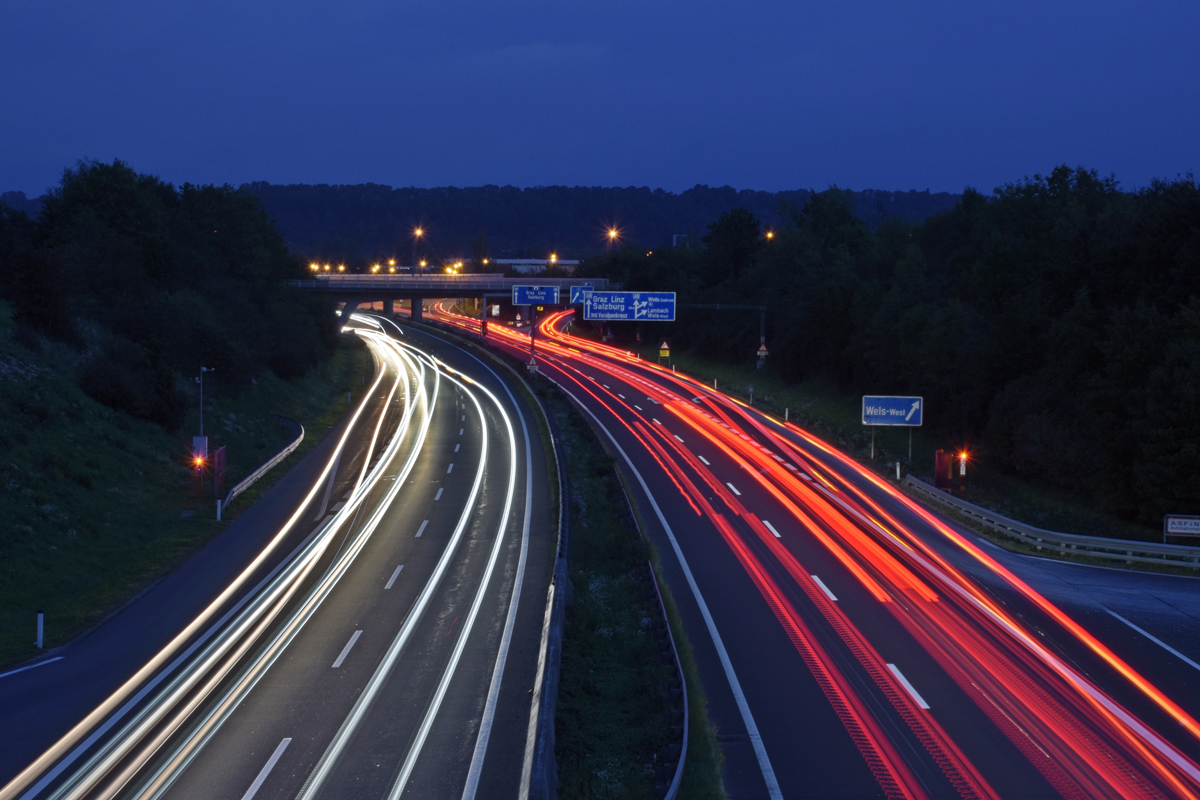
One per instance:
(759,95)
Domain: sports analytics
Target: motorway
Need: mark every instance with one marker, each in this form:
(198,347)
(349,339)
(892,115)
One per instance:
(379,640)
(854,644)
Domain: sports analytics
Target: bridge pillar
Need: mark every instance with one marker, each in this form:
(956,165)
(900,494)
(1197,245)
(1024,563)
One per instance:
(416,309)
(346,312)
(389,307)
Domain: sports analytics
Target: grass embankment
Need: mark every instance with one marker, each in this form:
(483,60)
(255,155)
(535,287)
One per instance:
(92,498)
(818,406)
(614,721)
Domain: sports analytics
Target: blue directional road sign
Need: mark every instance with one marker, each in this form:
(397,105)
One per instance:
(646,306)
(892,410)
(579,294)
(535,295)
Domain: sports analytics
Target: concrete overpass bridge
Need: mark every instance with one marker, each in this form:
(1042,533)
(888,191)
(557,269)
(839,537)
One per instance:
(356,289)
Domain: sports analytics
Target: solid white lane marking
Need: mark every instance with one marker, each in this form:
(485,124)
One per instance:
(903,680)
(421,529)
(639,408)
(456,447)
(395,575)
(676,435)
(733,488)
(735,686)
(266,770)
(824,588)
(346,650)
(31,666)
(449,469)
(438,496)
(1156,640)
(771,528)
(704,460)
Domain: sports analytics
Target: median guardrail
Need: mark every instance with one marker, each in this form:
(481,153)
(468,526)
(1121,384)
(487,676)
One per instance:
(246,482)
(1126,550)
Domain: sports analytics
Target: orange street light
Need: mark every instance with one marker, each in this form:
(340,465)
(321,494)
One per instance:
(770,234)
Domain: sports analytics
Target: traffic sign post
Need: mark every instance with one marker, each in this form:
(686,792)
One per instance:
(893,411)
(534,295)
(664,349)
(640,306)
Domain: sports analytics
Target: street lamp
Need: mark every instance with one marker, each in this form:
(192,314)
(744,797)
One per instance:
(417,234)
(613,235)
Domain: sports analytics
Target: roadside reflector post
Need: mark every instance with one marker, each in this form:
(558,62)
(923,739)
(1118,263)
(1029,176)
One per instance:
(897,469)
(40,617)
(785,414)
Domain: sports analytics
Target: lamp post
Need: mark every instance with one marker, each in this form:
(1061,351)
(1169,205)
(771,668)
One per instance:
(417,234)
(200,380)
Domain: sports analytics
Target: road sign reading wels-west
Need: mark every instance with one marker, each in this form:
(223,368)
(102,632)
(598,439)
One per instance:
(647,306)
(580,294)
(533,295)
(892,410)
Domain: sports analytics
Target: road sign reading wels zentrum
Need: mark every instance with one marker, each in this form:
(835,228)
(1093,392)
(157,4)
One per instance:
(647,306)
(887,410)
(532,295)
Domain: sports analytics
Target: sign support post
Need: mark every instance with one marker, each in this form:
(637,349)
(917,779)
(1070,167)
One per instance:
(889,410)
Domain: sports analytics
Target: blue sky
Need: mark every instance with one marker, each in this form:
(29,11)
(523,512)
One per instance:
(659,93)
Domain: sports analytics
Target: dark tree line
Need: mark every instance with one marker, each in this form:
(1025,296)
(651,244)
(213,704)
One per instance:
(368,222)
(1055,325)
(149,283)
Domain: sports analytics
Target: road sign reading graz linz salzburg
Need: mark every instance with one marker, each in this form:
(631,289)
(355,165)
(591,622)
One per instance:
(648,306)
(892,410)
(534,295)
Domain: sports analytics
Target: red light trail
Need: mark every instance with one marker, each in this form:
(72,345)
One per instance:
(1079,738)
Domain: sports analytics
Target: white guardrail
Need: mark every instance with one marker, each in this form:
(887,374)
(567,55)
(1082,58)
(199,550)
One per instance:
(1125,550)
(265,468)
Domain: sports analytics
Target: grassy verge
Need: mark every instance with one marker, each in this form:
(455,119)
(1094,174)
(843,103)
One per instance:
(613,723)
(822,409)
(92,499)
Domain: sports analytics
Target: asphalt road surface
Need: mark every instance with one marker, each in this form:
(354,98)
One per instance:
(853,643)
(370,631)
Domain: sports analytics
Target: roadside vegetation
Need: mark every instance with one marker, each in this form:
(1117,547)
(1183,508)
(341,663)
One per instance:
(618,723)
(111,300)
(93,499)
(1053,328)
